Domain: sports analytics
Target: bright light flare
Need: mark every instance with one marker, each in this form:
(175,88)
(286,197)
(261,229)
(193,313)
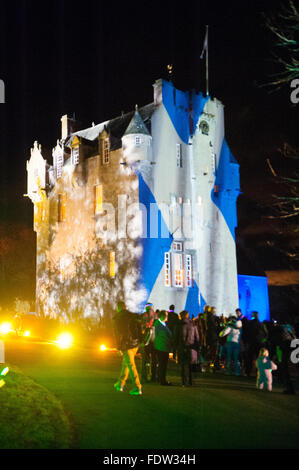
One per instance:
(103,347)
(5,328)
(2,383)
(26,333)
(65,340)
(4,371)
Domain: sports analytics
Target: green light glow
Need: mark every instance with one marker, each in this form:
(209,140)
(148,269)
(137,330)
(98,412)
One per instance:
(4,371)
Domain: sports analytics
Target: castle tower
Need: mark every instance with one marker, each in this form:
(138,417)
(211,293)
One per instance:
(169,161)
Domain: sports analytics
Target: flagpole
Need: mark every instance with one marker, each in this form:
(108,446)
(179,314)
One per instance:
(207,61)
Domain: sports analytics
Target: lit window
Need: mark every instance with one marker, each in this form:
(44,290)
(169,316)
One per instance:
(98,199)
(179,156)
(61,207)
(178,270)
(105,151)
(137,140)
(75,155)
(189,273)
(167,271)
(112,264)
(177,246)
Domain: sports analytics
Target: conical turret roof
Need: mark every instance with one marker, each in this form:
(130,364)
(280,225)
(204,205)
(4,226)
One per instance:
(137,125)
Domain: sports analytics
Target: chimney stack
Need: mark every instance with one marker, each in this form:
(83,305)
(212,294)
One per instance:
(68,125)
(158,91)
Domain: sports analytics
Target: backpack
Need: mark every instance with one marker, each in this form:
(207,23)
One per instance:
(148,335)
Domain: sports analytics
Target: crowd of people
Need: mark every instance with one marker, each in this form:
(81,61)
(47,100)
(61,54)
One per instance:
(235,345)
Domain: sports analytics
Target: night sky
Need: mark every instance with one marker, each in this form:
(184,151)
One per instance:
(97,59)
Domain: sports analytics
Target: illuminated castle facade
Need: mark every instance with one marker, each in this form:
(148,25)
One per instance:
(141,207)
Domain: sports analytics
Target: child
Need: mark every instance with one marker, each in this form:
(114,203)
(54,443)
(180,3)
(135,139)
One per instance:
(264,370)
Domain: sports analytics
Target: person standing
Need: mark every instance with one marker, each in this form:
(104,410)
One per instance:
(212,337)
(284,334)
(172,322)
(162,345)
(127,329)
(264,370)
(186,343)
(149,360)
(233,331)
(172,318)
(243,341)
(255,336)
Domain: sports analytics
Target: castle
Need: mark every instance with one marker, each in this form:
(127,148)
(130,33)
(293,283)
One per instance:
(141,207)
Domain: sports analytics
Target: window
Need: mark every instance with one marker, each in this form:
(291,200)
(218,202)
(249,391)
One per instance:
(137,140)
(61,207)
(75,155)
(59,164)
(98,198)
(112,264)
(105,151)
(177,246)
(178,270)
(179,156)
(189,274)
(167,269)
(178,267)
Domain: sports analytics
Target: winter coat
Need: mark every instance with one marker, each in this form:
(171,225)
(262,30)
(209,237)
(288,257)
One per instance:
(148,329)
(187,341)
(233,332)
(255,332)
(211,329)
(127,330)
(163,337)
(172,321)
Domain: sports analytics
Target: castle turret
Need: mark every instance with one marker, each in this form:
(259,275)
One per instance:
(137,141)
(36,174)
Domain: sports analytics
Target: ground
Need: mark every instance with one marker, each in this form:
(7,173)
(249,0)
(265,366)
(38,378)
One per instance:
(219,412)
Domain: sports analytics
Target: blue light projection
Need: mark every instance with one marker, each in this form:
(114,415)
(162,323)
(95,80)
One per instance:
(253,295)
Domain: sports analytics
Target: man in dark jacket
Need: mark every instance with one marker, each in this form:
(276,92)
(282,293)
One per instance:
(212,336)
(186,342)
(162,345)
(172,322)
(127,329)
(282,336)
(172,318)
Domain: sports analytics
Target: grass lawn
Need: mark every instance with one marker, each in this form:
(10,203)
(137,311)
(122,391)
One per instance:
(218,412)
(30,416)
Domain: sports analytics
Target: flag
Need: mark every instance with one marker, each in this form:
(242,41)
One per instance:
(205,44)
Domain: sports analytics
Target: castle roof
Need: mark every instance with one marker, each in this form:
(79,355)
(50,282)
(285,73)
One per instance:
(136,125)
(117,127)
